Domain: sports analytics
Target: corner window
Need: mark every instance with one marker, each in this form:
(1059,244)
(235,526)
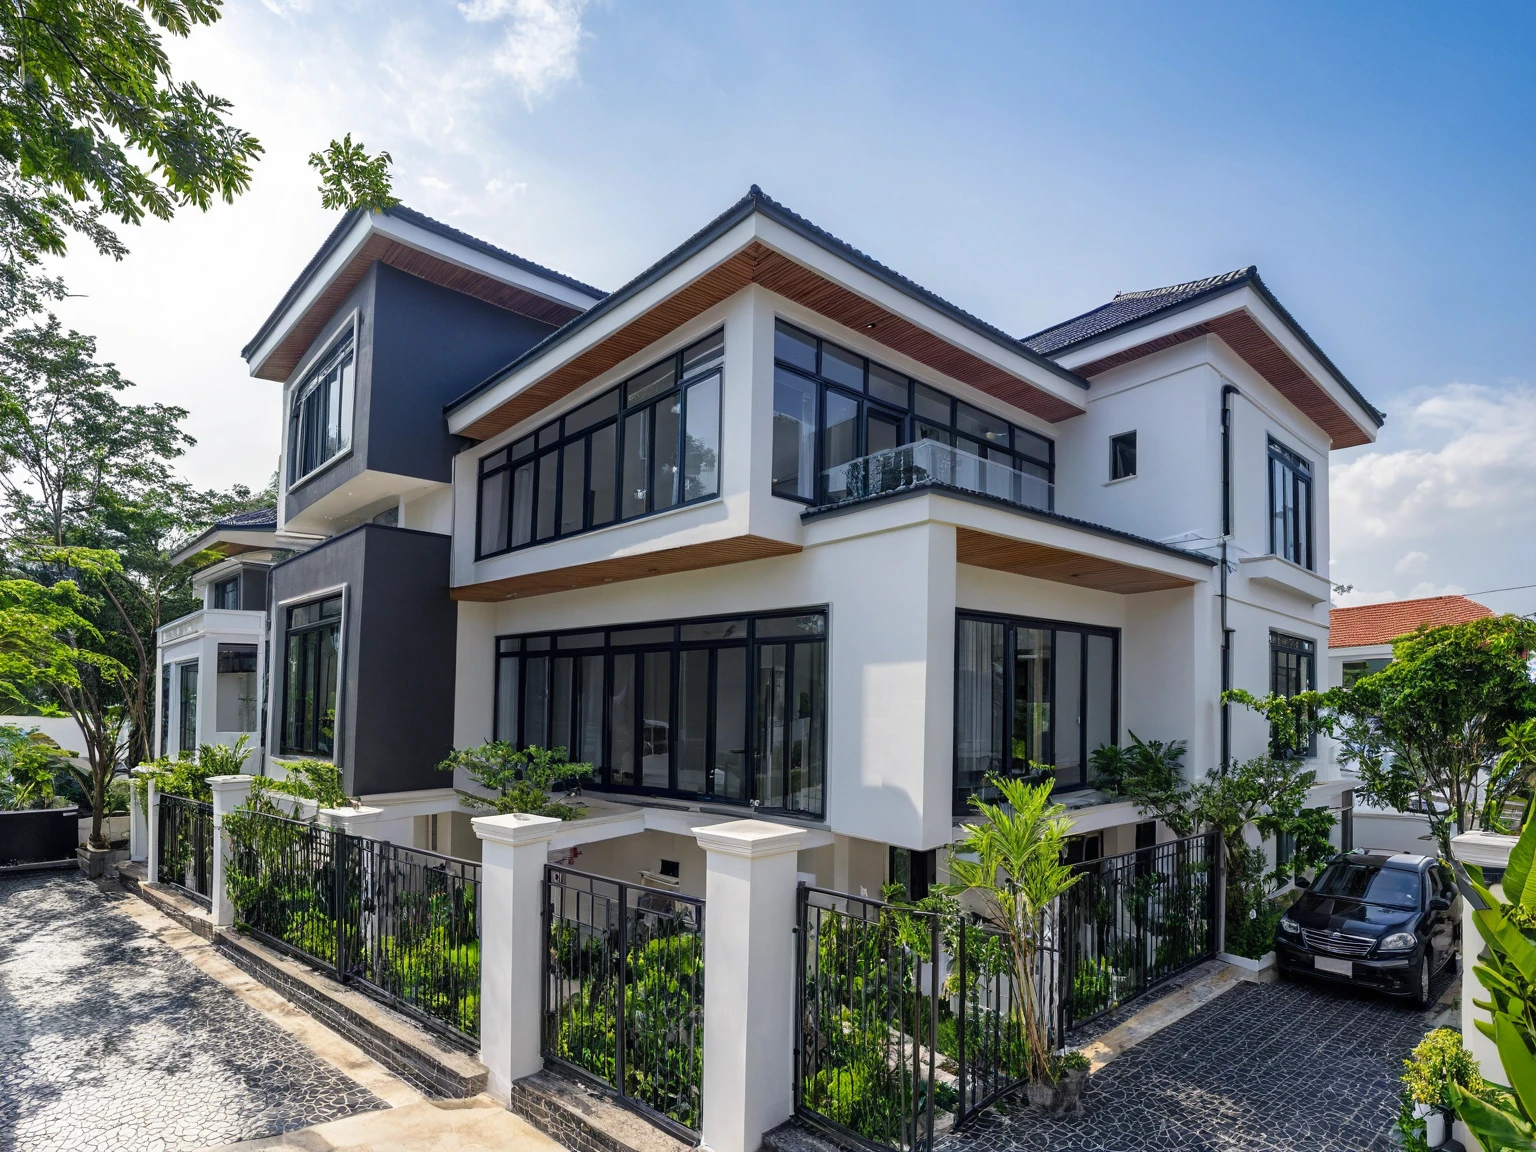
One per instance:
(1122,456)
(1292,671)
(312,637)
(1028,690)
(320,415)
(1290,505)
(235,707)
(226,593)
(186,727)
(846,428)
(727,709)
(650,444)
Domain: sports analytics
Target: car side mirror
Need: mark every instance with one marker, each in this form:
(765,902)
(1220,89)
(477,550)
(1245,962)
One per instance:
(1439,904)
(1303,882)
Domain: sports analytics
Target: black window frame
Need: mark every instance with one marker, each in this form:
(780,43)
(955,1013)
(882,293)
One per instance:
(1116,458)
(552,440)
(517,646)
(1283,649)
(910,421)
(304,448)
(1010,626)
(221,592)
(338,621)
(1289,469)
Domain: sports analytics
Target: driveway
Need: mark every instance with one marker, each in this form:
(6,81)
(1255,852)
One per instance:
(110,1041)
(1262,1068)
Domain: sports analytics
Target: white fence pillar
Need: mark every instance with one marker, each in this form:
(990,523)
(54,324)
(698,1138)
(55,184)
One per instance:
(514,850)
(749,981)
(229,792)
(138,816)
(152,834)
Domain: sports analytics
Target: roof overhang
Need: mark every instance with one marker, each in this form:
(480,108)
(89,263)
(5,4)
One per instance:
(416,245)
(1251,322)
(759,242)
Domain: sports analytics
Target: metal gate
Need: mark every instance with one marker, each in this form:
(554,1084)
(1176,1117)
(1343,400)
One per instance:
(186,846)
(1133,921)
(623,992)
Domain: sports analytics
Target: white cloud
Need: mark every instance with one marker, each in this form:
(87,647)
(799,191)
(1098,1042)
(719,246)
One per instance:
(541,46)
(1448,510)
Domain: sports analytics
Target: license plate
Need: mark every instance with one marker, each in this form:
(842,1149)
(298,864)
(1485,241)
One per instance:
(1337,967)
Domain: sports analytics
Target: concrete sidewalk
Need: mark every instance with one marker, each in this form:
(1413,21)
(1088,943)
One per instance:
(476,1125)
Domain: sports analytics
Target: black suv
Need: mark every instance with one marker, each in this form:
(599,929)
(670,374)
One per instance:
(1380,920)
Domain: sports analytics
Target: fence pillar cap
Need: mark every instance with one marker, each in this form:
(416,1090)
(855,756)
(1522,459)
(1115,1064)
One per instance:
(362,814)
(752,839)
(229,783)
(516,828)
(144,770)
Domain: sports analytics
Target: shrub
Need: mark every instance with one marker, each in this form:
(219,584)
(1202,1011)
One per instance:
(1440,1059)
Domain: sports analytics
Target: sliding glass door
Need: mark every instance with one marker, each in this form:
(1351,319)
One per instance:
(1031,691)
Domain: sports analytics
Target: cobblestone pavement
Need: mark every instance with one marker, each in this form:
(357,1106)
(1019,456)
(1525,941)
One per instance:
(1298,1067)
(111,1042)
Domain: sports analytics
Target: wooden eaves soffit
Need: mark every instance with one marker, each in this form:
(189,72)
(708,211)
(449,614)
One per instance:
(759,264)
(1060,565)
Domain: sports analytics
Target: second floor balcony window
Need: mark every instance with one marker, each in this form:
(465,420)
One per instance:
(1292,671)
(845,427)
(320,416)
(650,444)
(1290,505)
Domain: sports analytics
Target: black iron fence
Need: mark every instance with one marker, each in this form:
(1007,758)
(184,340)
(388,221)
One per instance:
(623,991)
(1132,921)
(186,846)
(401,923)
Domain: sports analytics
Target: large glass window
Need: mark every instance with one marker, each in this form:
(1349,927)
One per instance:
(320,415)
(728,709)
(186,727)
(649,444)
(1290,505)
(1292,671)
(832,407)
(226,593)
(311,666)
(1031,690)
(235,709)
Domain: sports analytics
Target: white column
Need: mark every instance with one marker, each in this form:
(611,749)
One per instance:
(749,981)
(1486,850)
(229,792)
(152,834)
(514,850)
(138,817)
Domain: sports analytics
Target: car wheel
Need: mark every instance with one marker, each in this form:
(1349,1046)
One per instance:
(1421,996)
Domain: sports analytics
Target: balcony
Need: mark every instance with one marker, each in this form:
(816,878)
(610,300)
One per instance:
(931,464)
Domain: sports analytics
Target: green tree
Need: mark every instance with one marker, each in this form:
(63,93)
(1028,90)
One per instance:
(1012,861)
(1447,725)
(350,178)
(93,124)
(520,778)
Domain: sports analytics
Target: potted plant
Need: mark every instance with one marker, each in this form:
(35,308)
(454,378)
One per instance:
(1011,864)
(1440,1060)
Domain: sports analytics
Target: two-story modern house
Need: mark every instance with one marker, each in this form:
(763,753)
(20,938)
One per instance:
(773,529)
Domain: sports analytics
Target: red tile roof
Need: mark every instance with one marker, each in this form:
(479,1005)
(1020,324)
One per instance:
(1384,623)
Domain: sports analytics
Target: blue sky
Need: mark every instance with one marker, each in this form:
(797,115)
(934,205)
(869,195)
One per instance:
(1374,160)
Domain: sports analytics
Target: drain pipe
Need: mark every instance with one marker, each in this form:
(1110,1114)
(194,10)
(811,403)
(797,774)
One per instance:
(1227,391)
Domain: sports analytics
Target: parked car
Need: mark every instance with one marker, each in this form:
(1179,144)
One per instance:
(1377,919)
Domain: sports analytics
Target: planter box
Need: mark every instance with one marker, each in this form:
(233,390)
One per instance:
(1263,964)
(39,834)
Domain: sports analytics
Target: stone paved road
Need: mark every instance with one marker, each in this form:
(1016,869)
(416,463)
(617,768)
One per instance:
(1263,1068)
(111,1042)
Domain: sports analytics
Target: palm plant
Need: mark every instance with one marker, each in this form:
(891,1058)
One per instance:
(1012,862)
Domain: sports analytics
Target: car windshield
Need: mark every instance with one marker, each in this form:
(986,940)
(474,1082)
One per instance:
(1370,884)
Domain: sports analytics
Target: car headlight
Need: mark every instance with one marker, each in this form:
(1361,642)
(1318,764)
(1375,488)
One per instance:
(1289,925)
(1399,942)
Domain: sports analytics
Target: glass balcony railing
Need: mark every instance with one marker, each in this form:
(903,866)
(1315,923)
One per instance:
(930,464)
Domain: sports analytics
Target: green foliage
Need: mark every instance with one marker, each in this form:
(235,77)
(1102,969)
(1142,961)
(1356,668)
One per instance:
(317,780)
(439,974)
(93,124)
(187,775)
(520,778)
(1150,773)
(1446,724)
(1439,1060)
(1011,862)
(350,178)
(30,765)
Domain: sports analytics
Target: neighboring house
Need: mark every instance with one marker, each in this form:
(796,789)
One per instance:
(772,529)
(1359,643)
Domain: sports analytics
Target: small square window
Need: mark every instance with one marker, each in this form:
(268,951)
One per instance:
(1122,456)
